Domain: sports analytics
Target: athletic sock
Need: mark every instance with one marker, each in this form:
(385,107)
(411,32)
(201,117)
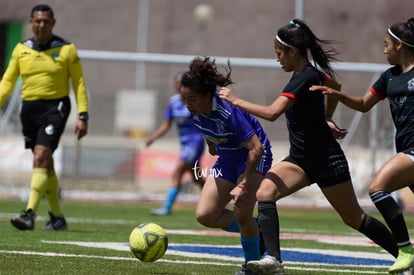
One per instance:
(234,227)
(393,216)
(171,196)
(37,188)
(52,194)
(269,227)
(251,248)
(378,232)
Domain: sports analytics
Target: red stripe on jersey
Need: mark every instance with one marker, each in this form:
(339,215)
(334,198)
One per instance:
(289,95)
(372,90)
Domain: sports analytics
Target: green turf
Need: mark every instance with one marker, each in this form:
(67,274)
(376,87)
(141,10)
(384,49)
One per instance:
(104,222)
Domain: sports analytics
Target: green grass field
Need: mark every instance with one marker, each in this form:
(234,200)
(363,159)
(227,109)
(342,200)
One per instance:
(85,248)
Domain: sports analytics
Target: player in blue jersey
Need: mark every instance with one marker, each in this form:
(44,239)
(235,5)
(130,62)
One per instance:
(396,84)
(192,146)
(314,156)
(243,150)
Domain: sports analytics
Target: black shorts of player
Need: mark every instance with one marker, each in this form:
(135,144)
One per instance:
(43,121)
(325,173)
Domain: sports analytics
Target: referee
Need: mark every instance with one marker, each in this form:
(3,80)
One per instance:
(45,62)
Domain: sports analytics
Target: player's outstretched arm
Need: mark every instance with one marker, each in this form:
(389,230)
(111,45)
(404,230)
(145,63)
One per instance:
(362,104)
(269,112)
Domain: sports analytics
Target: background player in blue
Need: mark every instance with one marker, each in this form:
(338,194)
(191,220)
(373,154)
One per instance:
(244,155)
(192,146)
(396,84)
(314,156)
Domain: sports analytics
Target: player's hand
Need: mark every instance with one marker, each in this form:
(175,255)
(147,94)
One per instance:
(81,129)
(148,142)
(324,89)
(338,133)
(227,94)
(237,194)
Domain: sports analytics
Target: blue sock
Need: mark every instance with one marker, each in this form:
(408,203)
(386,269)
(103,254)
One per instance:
(234,227)
(251,248)
(171,196)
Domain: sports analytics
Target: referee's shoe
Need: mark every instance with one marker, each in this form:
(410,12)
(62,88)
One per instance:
(56,223)
(25,221)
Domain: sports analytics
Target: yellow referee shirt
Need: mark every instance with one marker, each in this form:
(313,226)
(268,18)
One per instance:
(45,70)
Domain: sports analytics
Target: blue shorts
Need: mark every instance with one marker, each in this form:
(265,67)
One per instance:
(192,150)
(230,170)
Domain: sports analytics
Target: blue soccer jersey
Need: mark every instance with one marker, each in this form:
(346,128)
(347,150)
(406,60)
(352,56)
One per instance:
(228,127)
(192,142)
(177,111)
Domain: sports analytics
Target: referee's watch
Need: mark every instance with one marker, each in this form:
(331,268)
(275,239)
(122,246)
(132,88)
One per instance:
(84,116)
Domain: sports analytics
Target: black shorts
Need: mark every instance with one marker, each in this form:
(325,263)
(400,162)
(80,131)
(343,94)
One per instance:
(325,171)
(43,121)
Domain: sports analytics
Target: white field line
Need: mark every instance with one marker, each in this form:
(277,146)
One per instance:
(65,255)
(75,220)
(347,240)
(354,240)
(119,246)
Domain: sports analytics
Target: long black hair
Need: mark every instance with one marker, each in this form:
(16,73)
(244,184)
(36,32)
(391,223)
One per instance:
(298,35)
(203,76)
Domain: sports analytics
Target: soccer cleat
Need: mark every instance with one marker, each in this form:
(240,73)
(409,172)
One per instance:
(245,271)
(25,221)
(404,261)
(160,212)
(56,223)
(267,266)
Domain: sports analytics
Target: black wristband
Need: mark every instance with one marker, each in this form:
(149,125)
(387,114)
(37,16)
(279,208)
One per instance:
(84,116)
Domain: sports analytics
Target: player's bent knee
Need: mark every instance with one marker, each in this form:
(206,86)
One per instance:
(206,220)
(374,187)
(263,195)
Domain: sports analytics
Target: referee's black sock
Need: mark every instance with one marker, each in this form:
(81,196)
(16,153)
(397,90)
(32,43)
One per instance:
(378,232)
(269,227)
(392,214)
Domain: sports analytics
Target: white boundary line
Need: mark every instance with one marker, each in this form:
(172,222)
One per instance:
(52,254)
(292,265)
(119,246)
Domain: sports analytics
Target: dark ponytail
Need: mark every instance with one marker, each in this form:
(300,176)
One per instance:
(299,35)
